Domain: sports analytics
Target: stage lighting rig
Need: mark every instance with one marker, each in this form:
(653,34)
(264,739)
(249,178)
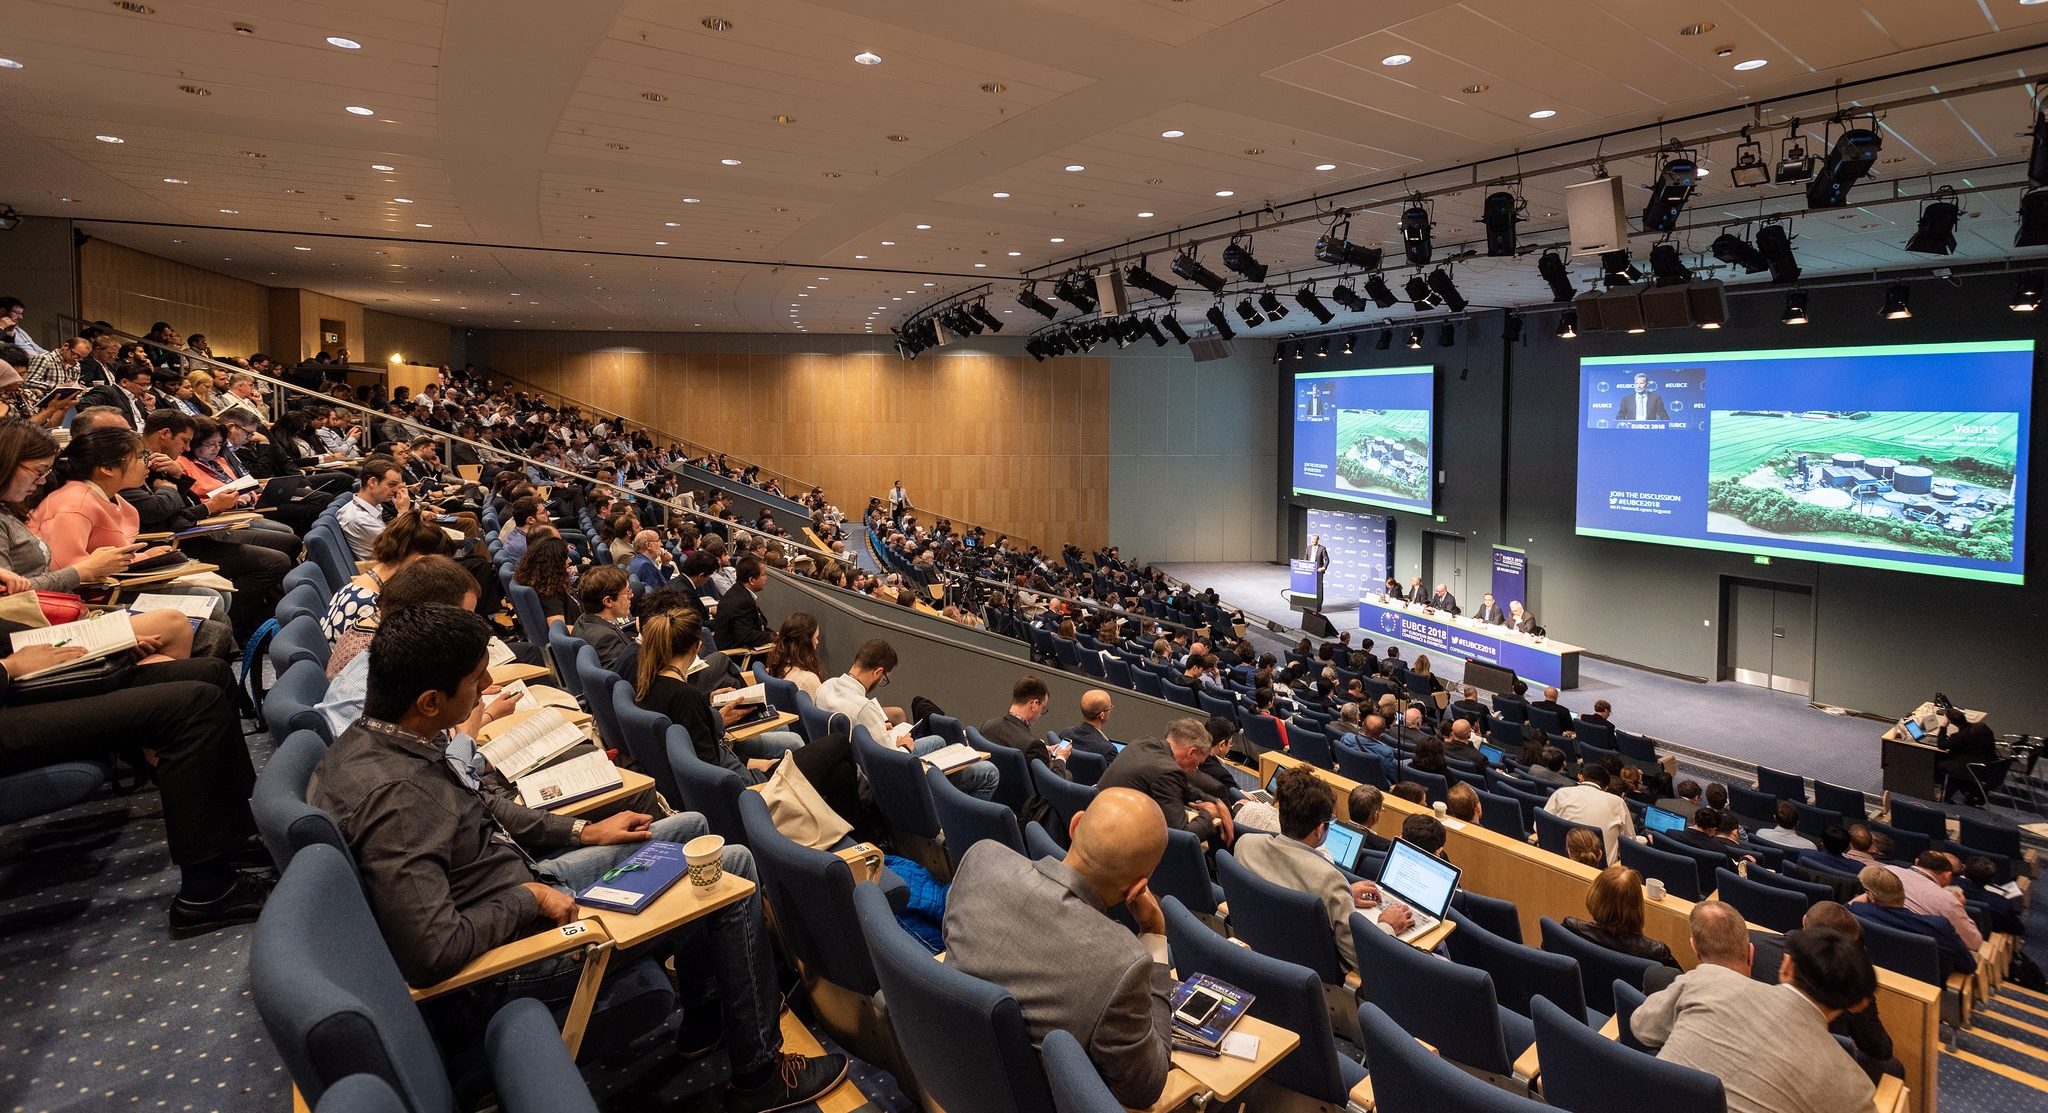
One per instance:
(1738,252)
(1511,327)
(1795,308)
(1847,162)
(1897,302)
(1668,267)
(1347,297)
(1307,299)
(1170,324)
(1440,284)
(1381,294)
(1239,258)
(1322,349)
(1419,292)
(979,311)
(1750,168)
(1415,337)
(1029,299)
(1221,320)
(1794,164)
(1616,270)
(1385,341)
(1936,234)
(1500,214)
(1446,335)
(1674,186)
(1415,226)
(1776,245)
(1076,290)
(1252,317)
(1350,343)
(1152,330)
(1568,325)
(1190,268)
(2033,230)
(1551,267)
(1334,247)
(1270,302)
(2026,297)
(1137,275)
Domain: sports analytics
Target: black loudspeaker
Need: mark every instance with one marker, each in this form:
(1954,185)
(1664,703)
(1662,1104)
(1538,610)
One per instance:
(1315,625)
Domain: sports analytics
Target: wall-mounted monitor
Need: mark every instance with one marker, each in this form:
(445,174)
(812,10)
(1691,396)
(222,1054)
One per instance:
(1906,457)
(1367,436)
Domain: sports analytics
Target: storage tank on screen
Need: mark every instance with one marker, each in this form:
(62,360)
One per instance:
(1911,479)
(1881,466)
(1849,461)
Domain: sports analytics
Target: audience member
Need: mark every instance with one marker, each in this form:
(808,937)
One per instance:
(1088,735)
(1364,804)
(1884,902)
(1684,800)
(1590,803)
(794,654)
(1926,883)
(852,694)
(1296,859)
(605,596)
(1015,728)
(739,623)
(1615,901)
(1462,802)
(1584,847)
(1159,768)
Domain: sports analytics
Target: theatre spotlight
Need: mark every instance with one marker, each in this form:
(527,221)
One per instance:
(1307,299)
(1270,302)
(2027,296)
(1351,343)
(1038,349)
(1152,330)
(1794,164)
(2037,157)
(1668,267)
(1420,293)
(1240,259)
(1616,270)
(1323,349)
(1415,227)
(9,219)
(2033,231)
(1440,283)
(1850,159)
(1552,268)
(1897,302)
(1446,334)
(1500,214)
(1936,234)
(1252,317)
(1385,341)
(1137,275)
(1172,325)
(1377,289)
(1795,308)
(1221,320)
(1190,268)
(1335,248)
(1075,291)
(1568,325)
(1668,195)
(1738,252)
(1776,246)
(1347,297)
(980,313)
(1415,337)
(1300,348)
(1750,168)
(1279,353)
(1511,326)
(1029,299)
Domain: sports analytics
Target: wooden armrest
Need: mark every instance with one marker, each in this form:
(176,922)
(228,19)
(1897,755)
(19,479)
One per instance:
(1612,1029)
(1361,1095)
(1891,1094)
(574,935)
(1527,1066)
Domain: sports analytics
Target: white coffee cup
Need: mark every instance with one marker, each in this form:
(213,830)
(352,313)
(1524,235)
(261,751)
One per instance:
(1654,887)
(1439,808)
(706,855)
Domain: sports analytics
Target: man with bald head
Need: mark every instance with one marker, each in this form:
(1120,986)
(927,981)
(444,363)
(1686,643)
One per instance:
(1040,930)
(1090,735)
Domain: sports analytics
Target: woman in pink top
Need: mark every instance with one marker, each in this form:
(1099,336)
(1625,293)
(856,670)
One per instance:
(87,512)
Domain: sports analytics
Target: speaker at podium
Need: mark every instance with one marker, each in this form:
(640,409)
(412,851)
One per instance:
(1305,594)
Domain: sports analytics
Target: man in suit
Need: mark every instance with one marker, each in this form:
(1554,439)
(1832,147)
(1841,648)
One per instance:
(1017,728)
(1549,703)
(130,393)
(1884,902)
(1316,552)
(1089,735)
(1688,801)
(1039,930)
(1159,768)
(1393,590)
(1294,858)
(739,623)
(1489,611)
(1416,592)
(1967,744)
(1410,728)
(1443,600)
(98,368)
(1519,619)
(1642,405)
(1548,772)
(1460,746)
(1469,708)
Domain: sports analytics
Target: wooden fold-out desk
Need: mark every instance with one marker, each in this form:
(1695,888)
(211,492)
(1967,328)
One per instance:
(1225,1077)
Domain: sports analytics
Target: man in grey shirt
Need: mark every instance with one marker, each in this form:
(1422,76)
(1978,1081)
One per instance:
(1038,930)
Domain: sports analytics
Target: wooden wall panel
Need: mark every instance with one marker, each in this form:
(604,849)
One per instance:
(419,341)
(132,290)
(1012,444)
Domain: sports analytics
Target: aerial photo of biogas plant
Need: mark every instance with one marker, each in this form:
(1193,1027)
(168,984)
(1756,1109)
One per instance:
(1384,451)
(1931,482)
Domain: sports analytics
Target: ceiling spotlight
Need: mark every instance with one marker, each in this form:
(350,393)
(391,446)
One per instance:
(1750,168)
(1270,302)
(381,166)
(1616,270)
(1347,297)
(1252,317)
(1076,292)
(1795,308)
(1568,325)
(1674,185)
(1381,294)
(1776,245)
(9,64)
(1137,275)
(1301,348)
(1851,158)
(1350,343)
(110,139)
(1794,164)
(1500,213)
(1335,248)
(1385,341)
(1415,337)
(359,110)
(2027,296)
(1738,252)
(868,58)
(1221,320)
(1446,335)
(1152,330)
(980,313)
(345,44)
(1543,114)
(1752,64)
(1188,267)
(1279,353)
(1415,227)
(1029,299)
(1326,166)
(2033,230)
(1896,302)
(1440,283)
(1511,326)
(1936,234)
(1551,267)
(1307,299)
(1075,168)
(1180,335)
(1240,259)
(1396,60)
(1420,293)
(1173,133)
(1668,267)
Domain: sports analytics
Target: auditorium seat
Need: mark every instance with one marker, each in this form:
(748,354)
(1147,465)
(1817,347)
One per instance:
(1497,916)
(1520,973)
(1773,907)
(967,820)
(307,572)
(48,788)
(896,779)
(1585,1072)
(1680,874)
(598,682)
(1183,872)
(1076,1087)
(1503,815)
(1994,838)
(291,702)
(1756,809)
(1814,821)
(1636,747)
(645,734)
(1065,798)
(1038,844)
(1545,720)
(364,1093)
(1706,860)
(1408,1078)
(1311,746)
(1599,967)
(304,599)
(1448,1006)
(1813,891)
(285,821)
(711,791)
(1552,832)
(1435,786)
(1086,768)
(1906,845)
(1847,801)
(299,640)
(1280,922)
(1927,820)
(1357,765)
(1784,786)
(1013,790)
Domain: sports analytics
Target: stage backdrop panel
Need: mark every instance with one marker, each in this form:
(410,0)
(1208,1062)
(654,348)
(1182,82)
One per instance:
(1358,553)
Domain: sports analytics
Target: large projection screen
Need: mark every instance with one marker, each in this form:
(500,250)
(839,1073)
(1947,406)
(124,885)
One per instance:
(1367,436)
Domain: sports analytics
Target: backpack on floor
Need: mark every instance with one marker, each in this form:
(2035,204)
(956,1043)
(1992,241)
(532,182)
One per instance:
(250,685)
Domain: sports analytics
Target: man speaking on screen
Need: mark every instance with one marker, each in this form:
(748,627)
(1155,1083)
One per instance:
(1643,405)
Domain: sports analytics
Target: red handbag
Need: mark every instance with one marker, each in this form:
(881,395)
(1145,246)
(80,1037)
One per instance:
(60,607)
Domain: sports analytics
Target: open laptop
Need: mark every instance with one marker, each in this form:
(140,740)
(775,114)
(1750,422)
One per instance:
(1343,845)
(1492,754)
(1420,882)
(1657,819)
(1265,795)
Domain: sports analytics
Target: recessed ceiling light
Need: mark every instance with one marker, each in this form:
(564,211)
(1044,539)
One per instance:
(1753,64)
(998,195)
(1059,239)
(729,162)
(9,64)
(110,139)
(981,264)
(868,58)
(1396,60)
(661,243)
(691,200)
(423,226)
(888,243)
(176,181)
(1226,193)
(359,110)
(860,256)
(345,44)
(1327,166)
(1174,133)
(1478,88)
(1543,114)
(924,227)
(403,200)
(1075,168)
(716,24)
(1701,172)
(296,247)
(196,90)
(672,224)
(1144,214)
(381,166)
(1016,253)
(1703,28)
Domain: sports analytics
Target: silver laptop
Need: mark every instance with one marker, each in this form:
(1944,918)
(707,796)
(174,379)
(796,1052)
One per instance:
(1419,881)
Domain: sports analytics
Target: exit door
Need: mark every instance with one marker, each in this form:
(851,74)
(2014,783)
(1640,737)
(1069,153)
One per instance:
(1767,635)
(1443,562)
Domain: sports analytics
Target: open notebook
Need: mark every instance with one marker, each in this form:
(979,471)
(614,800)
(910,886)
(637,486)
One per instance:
(101,636)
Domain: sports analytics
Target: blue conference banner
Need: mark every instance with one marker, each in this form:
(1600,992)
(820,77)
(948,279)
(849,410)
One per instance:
(1543,663)
(1358,553)
(1510,581)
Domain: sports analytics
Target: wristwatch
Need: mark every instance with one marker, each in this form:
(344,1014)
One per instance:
(576,831)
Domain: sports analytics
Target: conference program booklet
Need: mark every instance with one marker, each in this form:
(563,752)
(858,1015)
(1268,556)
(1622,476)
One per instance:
(578,778)
(956,756)
(542,737)
(192,606)
(633,884)
(1229,1003)
(100,636)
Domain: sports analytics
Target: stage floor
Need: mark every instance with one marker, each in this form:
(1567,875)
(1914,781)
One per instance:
(1739,721)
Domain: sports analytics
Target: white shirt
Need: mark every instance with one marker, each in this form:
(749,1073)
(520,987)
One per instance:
(360,523)
(1594,807)
(843,695)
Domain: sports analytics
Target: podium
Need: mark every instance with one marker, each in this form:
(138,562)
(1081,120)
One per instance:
(1305,594)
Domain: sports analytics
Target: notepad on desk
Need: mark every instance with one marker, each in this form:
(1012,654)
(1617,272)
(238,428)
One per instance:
(192,606)
(578,778)
(633,884)
(101,636)
(538,739)
(956,756)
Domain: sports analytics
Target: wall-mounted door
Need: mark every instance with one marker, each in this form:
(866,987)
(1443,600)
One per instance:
(1767,635)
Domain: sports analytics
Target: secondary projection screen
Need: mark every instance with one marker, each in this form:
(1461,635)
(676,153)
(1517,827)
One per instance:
(1367,436)
(1911,458)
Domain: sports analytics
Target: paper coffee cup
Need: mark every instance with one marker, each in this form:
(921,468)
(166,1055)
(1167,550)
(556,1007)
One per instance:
(1655,888)
(1440,808)
(706,855)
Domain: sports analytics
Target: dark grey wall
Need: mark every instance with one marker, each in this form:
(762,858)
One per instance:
(41,268)
(1884,640)
(961,674)
(1181,431)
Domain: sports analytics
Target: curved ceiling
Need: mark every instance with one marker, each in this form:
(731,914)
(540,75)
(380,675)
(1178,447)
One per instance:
(677,165)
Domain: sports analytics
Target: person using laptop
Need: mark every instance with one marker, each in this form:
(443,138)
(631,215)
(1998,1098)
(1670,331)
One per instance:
(1294,858)
(1417,878)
